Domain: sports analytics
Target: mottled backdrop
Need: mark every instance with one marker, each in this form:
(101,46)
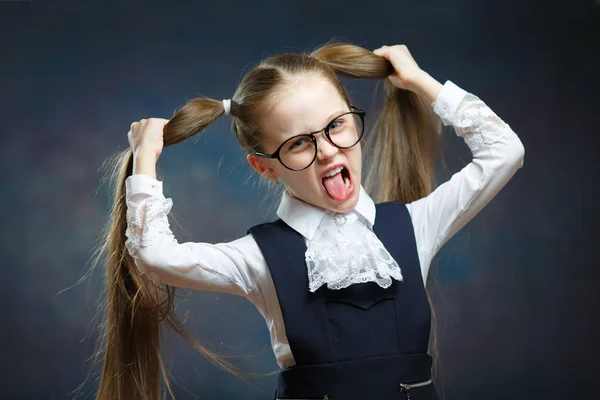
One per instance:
(517,289)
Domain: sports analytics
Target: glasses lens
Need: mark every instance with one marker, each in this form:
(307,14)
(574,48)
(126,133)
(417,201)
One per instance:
(298,152)
(346,130)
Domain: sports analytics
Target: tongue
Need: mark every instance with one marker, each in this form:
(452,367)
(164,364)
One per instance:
(336,187)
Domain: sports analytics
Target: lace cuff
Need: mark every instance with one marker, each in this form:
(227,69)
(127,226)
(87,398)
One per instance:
(471,118)
(147,210)
(147,221)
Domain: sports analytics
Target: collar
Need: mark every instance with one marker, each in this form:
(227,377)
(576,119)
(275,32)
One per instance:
(305,218)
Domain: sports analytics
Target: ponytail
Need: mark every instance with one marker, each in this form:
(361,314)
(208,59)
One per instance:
(134,308)
(405,138)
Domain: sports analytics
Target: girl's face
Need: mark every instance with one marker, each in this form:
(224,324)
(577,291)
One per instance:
(308,104)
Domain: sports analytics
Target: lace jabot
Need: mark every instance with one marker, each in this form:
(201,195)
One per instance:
(345,251)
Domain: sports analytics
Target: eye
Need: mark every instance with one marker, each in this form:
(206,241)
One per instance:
(298,143)
(336,125)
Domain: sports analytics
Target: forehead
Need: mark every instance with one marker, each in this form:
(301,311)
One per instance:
(304,105)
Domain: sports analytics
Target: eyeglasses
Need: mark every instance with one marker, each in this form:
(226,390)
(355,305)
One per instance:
(300,151)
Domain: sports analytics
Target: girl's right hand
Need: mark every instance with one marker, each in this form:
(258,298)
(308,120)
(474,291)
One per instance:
(146,137)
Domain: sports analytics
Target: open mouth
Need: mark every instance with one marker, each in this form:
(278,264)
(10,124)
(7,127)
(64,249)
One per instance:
(338,183)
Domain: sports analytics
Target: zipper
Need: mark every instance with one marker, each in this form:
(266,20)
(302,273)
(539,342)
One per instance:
(406,387)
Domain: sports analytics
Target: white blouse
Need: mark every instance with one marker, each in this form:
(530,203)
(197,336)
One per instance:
(238,267)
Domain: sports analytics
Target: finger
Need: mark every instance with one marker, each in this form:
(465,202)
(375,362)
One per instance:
(130,139)
(380,51)
(159,121)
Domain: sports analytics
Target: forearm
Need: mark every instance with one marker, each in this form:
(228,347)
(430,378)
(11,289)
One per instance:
(426,86)
(144,164)
(497,154)
(222,267)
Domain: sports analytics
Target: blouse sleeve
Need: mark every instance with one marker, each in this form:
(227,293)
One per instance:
(225,267)
(497,154)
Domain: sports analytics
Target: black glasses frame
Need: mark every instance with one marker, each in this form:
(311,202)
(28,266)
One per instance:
(355,110)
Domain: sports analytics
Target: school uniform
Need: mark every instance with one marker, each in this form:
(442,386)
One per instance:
(366,337)
(359,342)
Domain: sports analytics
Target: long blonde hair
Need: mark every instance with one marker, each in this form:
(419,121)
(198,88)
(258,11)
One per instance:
(405,137)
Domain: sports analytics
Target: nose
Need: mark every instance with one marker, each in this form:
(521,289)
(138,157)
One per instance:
(325,150)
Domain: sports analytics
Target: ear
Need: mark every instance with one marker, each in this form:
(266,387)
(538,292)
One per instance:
(261,166)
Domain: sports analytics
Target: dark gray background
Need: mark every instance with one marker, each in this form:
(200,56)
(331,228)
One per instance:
(517,289)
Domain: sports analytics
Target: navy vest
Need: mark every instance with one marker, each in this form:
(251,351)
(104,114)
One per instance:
(361,342)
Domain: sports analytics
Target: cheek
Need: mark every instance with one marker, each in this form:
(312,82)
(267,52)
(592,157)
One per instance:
(355,157)
(301,179)
(358,150)
(284,174)
(302,184)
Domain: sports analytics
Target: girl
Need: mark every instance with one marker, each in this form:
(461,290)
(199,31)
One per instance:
(339,279)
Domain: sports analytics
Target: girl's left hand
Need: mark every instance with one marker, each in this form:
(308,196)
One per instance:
(406,69)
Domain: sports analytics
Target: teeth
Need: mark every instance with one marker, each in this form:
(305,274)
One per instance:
(347,182)
(333,172)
